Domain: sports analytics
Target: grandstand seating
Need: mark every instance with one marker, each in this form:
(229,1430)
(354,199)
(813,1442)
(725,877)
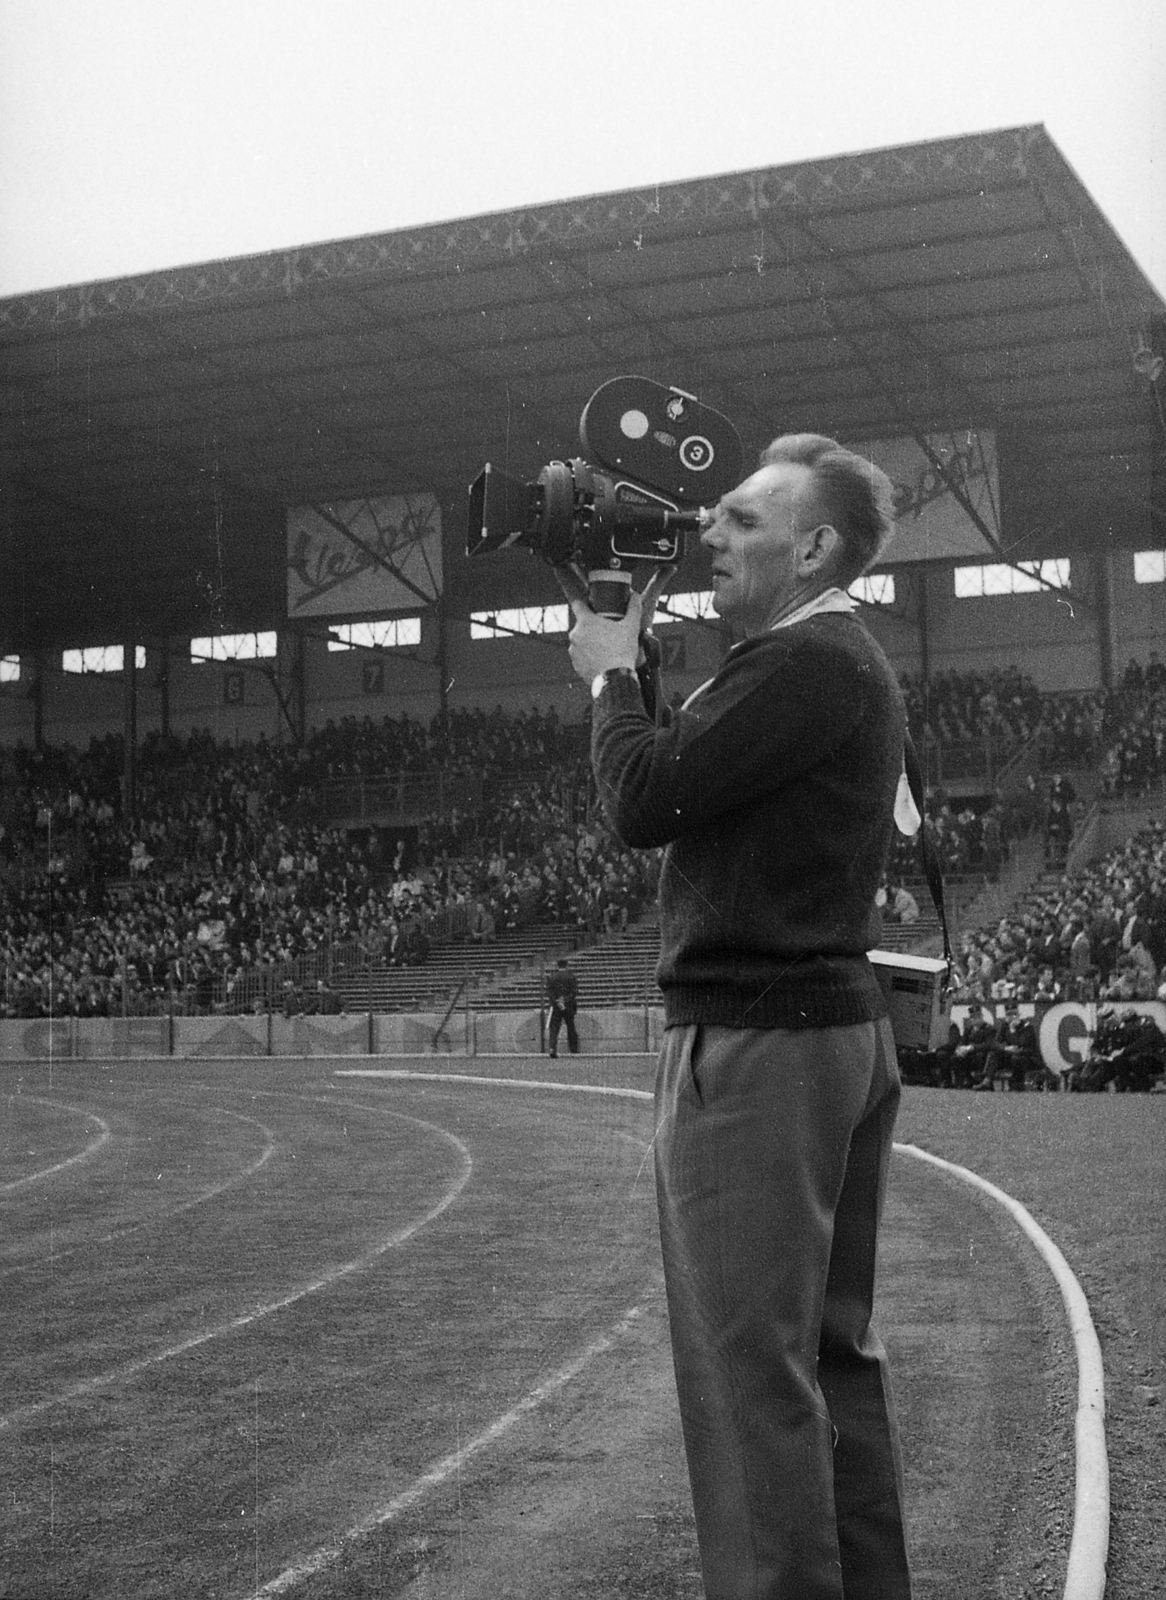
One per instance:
(219,852)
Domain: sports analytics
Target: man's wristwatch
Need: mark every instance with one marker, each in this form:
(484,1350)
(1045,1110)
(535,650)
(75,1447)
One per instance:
(602,678)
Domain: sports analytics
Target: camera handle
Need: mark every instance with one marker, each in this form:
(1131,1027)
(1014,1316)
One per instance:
(613,601)
(609,592)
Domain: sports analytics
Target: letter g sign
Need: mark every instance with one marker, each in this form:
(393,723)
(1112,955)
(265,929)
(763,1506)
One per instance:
(1064,1036)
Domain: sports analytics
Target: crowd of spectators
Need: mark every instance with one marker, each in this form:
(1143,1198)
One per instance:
(972,836)
(224,868)
(1135,756)
(1100,934)
(1119,732)
(960,708)
(218,874)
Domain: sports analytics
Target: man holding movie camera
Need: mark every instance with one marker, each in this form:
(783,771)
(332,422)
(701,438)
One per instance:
(775,788)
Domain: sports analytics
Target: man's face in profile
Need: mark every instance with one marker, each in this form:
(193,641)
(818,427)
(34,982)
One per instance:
(755,546)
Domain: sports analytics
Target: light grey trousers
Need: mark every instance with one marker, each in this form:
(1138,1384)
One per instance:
(772,1149)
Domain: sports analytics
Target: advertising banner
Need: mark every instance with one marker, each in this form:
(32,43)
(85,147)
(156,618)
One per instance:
(932,518)
(419,1033)
(350,557)
(612,1031)
(38,1039)
(221,1036)
(1066,1030)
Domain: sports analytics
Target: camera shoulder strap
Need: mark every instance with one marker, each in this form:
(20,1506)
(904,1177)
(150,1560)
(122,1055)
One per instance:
(649,672)
(931,869)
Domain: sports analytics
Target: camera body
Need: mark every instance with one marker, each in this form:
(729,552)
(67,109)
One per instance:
(666,456)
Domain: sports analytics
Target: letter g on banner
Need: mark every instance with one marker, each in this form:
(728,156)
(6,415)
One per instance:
(1064,1036)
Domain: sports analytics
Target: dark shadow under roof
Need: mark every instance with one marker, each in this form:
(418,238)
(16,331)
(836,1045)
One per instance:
(155,427)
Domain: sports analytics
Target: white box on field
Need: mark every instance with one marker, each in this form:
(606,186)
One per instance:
(913,986)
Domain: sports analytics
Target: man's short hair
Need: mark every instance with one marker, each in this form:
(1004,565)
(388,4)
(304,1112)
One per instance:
(849,492)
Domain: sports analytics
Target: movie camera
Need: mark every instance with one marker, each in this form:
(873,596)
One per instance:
(666,456)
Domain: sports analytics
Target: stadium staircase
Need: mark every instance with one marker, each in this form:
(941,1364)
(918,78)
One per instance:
(453,968)
(618,971)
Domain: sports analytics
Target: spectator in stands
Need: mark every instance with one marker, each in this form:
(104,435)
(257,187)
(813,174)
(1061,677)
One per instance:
(1048,990)
(774,789)
(1059,820)
(901,905)
(1080,961)
(325,1001)
(992,841)
(563,994)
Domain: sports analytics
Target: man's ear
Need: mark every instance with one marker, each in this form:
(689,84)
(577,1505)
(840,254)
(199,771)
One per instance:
(819,549)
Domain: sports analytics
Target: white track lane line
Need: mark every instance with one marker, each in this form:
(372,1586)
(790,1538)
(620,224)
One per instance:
(444,1469)
(90,1149)
(200,1199)
(1089,1546)
(120,1374)
(505,1083)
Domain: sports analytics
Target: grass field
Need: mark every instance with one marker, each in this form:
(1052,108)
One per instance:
(269,1329)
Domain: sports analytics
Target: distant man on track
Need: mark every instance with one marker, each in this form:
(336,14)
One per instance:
(774,789)
(563,994)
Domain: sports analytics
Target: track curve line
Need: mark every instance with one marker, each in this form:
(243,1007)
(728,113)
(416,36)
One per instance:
(157,1217)
(323,1280)
(327,1555)
(90,1149)
(1089,1546)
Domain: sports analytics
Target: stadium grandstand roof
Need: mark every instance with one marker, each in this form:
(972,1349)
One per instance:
(154,428)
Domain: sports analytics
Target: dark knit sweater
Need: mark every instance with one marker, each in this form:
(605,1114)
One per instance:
(774,793)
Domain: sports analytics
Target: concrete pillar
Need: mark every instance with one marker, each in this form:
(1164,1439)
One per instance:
(164,690)
(36,693)
(1102,563)
(130,730)
(920,576)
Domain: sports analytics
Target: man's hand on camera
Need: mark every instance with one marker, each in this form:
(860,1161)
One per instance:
(600,643)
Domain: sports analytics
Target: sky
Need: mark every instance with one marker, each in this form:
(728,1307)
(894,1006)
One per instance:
(142,134)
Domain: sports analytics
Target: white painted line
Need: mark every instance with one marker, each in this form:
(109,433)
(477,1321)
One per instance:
(156,1217)
(82,1155)
(1089,1546)
(505,1083)
(119,1375)
(441,1470)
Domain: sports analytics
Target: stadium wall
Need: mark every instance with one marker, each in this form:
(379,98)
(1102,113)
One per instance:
(1065,1031)
(611,1031)
(1051,637)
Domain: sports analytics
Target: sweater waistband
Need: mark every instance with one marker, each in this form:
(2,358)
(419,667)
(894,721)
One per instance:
(818,993)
